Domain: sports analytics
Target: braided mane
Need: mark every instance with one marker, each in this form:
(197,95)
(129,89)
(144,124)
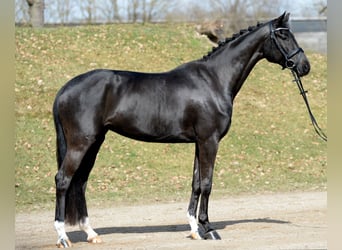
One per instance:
(229,39)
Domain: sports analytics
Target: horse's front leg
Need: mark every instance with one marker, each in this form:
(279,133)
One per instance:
(196,192)
(207,155)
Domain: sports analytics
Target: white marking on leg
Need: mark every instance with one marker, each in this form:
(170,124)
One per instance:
(194,227)
(193,223)
(85,226)
(62,236)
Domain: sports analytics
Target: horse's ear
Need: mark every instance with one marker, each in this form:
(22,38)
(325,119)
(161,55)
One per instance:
(282,21)
(286,19)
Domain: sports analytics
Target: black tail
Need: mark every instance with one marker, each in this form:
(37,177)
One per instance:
(61,146)
(75,204)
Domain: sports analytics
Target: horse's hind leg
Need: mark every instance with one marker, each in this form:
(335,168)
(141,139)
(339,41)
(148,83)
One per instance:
(71,181)
(63,180)
(85,168)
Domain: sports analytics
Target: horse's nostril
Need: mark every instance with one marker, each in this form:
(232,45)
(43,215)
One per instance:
(307,68)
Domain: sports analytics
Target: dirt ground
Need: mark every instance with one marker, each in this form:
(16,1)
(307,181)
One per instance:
(271,221)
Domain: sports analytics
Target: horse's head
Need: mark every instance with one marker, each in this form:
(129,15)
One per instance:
(281,47)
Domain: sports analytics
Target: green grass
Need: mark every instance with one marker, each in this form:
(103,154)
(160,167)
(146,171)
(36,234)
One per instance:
(271,146)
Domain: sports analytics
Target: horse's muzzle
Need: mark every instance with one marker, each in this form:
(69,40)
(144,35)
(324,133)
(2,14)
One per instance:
(303,68)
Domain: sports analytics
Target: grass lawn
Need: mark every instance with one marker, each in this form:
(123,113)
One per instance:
(271,146)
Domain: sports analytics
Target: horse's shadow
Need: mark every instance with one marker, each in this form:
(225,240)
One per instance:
(78,236)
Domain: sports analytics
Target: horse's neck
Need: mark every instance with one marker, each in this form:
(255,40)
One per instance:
(239,57)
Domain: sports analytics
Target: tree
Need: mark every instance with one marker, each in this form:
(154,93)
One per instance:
(147,10)
(88,10)
(109,11)
(322,7)
(63,10)
(154,9)
(240,13)
(133,10)
(36,12)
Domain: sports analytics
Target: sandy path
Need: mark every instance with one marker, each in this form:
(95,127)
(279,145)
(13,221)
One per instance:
(274,221)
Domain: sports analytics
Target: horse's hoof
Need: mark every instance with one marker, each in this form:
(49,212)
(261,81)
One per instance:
(95,240)
(64,243)
(196,236)
(212,235)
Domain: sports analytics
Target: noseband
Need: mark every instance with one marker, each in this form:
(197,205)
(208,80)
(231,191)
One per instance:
(287,55)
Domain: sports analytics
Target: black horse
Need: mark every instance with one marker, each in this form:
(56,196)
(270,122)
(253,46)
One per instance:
(192,103)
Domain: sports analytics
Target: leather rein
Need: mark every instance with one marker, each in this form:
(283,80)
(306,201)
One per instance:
(290,64)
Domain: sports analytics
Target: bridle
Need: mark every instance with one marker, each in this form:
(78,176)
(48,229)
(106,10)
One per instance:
(291,65)
(287,55)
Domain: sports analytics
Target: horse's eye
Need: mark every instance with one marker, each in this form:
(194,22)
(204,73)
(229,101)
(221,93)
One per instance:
(283,35)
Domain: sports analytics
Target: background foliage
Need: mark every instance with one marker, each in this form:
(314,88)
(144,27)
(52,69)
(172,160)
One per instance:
(145,11)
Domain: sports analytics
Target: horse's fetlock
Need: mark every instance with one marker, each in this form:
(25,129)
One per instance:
(203,219)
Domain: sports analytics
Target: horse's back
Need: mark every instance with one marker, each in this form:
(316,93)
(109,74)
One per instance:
(126,102)
(158,107)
